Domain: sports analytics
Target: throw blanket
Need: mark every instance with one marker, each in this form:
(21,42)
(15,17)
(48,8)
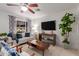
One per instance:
(11,51)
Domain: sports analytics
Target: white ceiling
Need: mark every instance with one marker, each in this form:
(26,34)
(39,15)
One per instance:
(45,9)
(51,8)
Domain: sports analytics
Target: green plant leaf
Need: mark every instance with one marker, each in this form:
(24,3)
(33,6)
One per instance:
(65,26)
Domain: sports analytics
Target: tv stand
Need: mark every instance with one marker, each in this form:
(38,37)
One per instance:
(48,38)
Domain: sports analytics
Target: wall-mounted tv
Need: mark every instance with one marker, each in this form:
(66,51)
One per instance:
(48,25)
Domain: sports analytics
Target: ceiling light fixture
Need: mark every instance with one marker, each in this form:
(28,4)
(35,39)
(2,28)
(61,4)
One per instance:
(23,8)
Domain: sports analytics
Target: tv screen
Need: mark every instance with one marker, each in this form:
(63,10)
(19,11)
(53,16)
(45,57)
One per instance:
(49,25)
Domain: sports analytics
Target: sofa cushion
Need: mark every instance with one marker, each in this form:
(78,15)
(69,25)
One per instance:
(18,35)
(27,34)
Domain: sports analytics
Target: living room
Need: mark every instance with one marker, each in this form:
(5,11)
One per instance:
(30,32)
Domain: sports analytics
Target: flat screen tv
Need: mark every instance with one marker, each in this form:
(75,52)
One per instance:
(48,25)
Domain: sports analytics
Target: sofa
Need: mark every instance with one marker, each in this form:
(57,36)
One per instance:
(21,38)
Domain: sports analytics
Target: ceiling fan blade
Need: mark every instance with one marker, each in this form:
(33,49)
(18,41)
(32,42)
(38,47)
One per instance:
(12,5)
(33,5)
(31,10)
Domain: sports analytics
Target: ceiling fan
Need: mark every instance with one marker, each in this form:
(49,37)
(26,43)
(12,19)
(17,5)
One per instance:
(26,6)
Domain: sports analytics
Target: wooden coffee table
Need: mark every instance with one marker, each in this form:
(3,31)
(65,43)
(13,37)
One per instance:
(42,46)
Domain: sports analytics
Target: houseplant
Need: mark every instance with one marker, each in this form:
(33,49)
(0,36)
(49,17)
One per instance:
(65,27)
(3,34)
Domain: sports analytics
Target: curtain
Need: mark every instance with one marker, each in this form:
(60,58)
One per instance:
(12,23)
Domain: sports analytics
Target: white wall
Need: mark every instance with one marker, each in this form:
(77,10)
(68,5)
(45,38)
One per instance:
(4,20)
(74,35)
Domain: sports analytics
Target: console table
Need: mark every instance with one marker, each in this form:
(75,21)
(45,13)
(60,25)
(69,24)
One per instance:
(49,38)
(38,45)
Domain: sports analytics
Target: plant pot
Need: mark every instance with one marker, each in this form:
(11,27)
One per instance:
(67,46)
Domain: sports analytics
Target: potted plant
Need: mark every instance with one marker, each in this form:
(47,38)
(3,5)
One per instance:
(65,27)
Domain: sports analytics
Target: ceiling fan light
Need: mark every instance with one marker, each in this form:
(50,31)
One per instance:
(23,8)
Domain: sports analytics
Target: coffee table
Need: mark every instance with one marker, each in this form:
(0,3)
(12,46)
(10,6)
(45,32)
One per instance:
(42,46)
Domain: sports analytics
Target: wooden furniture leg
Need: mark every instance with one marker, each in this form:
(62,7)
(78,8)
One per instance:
(20,49)
(43,52)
